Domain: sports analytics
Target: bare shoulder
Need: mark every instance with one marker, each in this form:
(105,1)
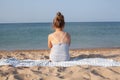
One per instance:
(50,35)
(67,34)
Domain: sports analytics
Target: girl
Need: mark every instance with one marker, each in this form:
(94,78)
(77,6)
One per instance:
(59,41)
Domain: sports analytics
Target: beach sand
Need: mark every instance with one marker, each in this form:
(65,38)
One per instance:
(84,72)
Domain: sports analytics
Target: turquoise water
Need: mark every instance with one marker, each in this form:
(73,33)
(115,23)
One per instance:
(83,34)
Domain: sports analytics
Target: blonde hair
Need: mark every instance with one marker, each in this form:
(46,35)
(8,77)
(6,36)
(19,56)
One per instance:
(58,21)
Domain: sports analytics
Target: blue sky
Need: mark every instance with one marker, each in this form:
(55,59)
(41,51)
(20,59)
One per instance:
(45,10)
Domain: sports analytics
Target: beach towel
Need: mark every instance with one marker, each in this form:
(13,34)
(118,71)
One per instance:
(73,62)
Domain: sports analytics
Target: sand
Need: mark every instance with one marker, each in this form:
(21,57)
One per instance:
(84,72)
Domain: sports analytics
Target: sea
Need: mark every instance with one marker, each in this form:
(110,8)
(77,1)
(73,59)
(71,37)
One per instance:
(34,36)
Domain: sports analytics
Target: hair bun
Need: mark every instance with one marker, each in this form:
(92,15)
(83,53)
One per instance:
(59,14)
(59,20)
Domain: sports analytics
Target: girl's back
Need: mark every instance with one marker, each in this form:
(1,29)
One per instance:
(60,48)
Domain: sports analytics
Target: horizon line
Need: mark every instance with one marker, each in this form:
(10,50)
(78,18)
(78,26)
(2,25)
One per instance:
(51,22)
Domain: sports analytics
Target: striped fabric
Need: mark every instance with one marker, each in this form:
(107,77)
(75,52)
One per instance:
(60,52)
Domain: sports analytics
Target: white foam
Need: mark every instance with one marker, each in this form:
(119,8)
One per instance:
(86,61)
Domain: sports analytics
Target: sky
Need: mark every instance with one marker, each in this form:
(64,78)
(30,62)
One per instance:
(22,11)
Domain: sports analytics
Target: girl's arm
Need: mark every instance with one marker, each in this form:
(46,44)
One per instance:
(49,42)
(69,37)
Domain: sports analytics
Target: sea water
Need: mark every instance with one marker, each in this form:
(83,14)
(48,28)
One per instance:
(83,35)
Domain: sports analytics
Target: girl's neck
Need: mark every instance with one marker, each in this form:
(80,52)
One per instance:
(58,30)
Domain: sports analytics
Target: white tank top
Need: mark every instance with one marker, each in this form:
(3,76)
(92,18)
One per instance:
(60,51)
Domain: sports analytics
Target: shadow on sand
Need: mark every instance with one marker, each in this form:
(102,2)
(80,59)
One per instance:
(82,56)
